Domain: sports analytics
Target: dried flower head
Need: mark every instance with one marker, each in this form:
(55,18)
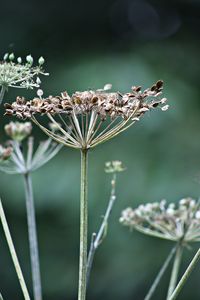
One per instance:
(114,166)
(20,159)
(18,74)
(5,153)
(167,221)
(18,130)
(91,117)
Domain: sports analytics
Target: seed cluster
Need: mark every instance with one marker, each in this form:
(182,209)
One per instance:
(181,222)
(18,131)
(5,153)
(82,103)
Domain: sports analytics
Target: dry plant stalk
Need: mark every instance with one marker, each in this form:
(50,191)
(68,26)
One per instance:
(83,121)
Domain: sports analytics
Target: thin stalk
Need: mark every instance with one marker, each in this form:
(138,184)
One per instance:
(175,269)
(160,275)
(13,253)
(2,92)
(32,233)
(83,226)
(185,276)
(98,238)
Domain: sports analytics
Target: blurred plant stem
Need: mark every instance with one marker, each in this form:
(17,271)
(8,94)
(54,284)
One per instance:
(32,233)
(175,269)
(13,253)
(98,238)
(2,92)
(185,276)
(83,225)
(160,275)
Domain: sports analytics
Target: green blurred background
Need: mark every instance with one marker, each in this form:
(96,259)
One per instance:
(87,44)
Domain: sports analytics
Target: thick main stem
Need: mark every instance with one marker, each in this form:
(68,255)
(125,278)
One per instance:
(32,234)
(83,226)
(175,270)
(185,276)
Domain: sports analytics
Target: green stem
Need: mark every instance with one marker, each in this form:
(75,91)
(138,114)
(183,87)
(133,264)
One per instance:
(98,238)
(175,269)
(32,233)
(13,253)
(2,92)
(185,276)
(160,274)
(83,226)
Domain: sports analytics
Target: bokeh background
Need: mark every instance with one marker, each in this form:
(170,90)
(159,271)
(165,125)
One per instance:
(87,44)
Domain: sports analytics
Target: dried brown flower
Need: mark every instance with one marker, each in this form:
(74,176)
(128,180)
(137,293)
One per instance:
(90,117)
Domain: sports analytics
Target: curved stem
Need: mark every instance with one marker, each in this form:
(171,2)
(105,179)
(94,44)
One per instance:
(98,238)
(2,92)
(83,226)
(185,276)
(32,233)
(13,254)
(175,269)
(160,275)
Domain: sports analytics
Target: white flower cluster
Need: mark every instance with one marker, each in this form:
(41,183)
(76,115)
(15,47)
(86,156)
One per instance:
(18,131)
(167,221)
(15,73)
(114,166)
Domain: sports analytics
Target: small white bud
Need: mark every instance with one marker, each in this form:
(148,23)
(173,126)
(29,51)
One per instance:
(164,108)
(40,93)
(19,60)
(41,60)
(107,87)
(11,56)
(5,56)
(29,59)
(38,81)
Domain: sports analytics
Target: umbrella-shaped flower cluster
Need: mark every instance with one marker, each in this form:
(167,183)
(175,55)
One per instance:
(89,118)
(179,222)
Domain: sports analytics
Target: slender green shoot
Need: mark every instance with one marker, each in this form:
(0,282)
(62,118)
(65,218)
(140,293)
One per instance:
(13,253)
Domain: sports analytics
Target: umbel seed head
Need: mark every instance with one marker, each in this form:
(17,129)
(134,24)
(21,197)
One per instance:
(18,131)
(175,222)
(91,117)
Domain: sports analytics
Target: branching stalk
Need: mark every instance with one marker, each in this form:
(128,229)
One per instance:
(13,253)
(83,226)
(185,276)
(175,269)
(32,233)
(98,238)
(160,275)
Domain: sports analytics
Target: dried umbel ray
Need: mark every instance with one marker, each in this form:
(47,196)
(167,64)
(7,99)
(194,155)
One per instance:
(89,118)
(179,222)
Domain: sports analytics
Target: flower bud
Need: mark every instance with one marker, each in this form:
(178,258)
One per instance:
(5,56)
(41,60)
(29,59)
(18,131)
(19,60)
(11,56)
